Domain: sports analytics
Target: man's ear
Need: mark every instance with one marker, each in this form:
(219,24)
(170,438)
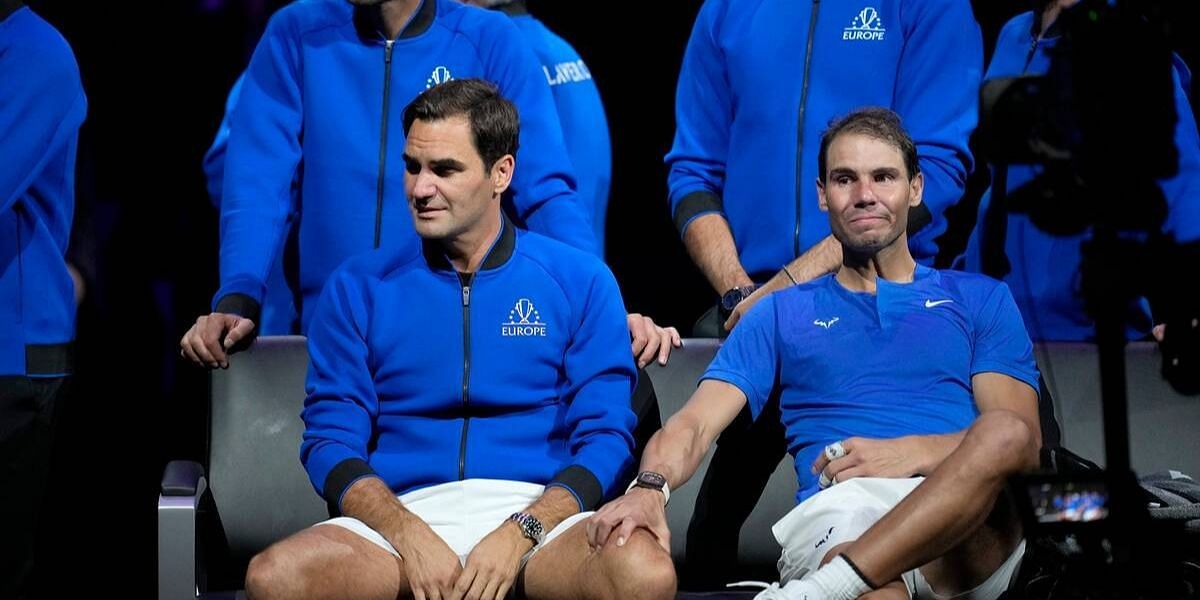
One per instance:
(502,173)
(824,206)
(917,189)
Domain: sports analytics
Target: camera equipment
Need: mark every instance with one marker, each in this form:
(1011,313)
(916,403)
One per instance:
(1101,125)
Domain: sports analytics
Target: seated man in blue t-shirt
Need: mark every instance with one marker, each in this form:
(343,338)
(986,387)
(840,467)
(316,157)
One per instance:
(908,395)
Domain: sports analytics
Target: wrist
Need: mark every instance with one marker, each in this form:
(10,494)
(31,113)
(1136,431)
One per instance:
(651,482)
(731,298)
(515,536)
(919,448)
(529,526)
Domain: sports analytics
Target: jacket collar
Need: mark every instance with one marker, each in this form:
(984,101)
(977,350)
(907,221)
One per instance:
(502,249)
(421,21)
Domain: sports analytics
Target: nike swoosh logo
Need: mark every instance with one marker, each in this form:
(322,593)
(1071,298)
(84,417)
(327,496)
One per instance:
(933,303)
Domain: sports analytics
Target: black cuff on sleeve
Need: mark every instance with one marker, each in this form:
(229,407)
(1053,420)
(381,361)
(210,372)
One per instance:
(246,307)
(694,204)
(918,218)
(345,473)
(585,485)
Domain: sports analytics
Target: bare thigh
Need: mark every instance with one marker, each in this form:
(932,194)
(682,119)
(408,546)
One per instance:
(327,562)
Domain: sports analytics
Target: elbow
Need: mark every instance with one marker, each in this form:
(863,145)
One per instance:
(1015,441)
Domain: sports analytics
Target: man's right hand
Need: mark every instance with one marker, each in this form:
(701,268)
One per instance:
(430,566)
(208,342)
(639,507)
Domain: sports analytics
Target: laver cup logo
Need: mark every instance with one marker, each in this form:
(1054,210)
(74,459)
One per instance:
(866,26)
(439,76)
(523,321)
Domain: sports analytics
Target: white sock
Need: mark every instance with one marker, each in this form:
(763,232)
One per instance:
(837,580)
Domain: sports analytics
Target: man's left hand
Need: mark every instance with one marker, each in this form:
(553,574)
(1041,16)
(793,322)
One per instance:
(895,458)
(650,340)
(774,284)
(492,566)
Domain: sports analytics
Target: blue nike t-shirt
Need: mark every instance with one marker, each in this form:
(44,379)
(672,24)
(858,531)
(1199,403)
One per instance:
(882,365)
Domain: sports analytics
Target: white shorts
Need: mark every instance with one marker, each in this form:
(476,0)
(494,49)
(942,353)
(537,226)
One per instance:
(463,512)
(842,513)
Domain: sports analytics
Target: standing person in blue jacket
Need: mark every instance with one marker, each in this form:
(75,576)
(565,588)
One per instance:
(760,80)
(1045,269)
(315,105)
(42,106)
(278,311)
(467,396)
(909,395)
(580,109)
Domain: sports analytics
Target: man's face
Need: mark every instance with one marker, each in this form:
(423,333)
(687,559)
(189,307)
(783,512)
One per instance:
(867,192)
(449,191)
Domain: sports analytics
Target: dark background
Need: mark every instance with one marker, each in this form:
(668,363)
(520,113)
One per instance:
(157,74)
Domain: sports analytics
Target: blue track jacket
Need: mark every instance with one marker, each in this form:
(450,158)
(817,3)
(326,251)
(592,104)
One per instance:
(42,106)
(760,82)
(421,375)
(324,96)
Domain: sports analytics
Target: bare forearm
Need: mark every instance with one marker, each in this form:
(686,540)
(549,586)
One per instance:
(371,501)
(710,244)
(824,257)
(675,451)
(934,449)
(555,505)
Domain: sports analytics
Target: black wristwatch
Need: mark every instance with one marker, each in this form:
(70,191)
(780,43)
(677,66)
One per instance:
(652,481)
(732,298)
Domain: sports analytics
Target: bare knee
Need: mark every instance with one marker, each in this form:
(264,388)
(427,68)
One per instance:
(1001,435)
(272,574)
(639,570)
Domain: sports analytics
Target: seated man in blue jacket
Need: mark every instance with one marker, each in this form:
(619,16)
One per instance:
(467,396)
(885,371)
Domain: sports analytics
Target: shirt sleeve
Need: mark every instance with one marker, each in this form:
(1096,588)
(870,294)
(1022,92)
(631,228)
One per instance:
(1002,344)
(749,358)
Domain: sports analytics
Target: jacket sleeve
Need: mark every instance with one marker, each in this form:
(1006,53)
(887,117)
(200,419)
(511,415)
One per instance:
(1183,190)
(214,159)
(42,106)
(544,192)
(600,378)
(341,405)
(703,111)
(263,153)
(937,97)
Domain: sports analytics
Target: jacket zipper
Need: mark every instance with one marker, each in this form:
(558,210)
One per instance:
(465,280)
(812,28)
(1029,57)
(383,135)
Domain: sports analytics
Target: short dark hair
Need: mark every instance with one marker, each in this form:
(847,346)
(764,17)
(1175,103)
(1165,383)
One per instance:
(495,125)
(872,121)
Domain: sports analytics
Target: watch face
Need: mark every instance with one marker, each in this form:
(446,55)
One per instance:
(731,299)
(652,479)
